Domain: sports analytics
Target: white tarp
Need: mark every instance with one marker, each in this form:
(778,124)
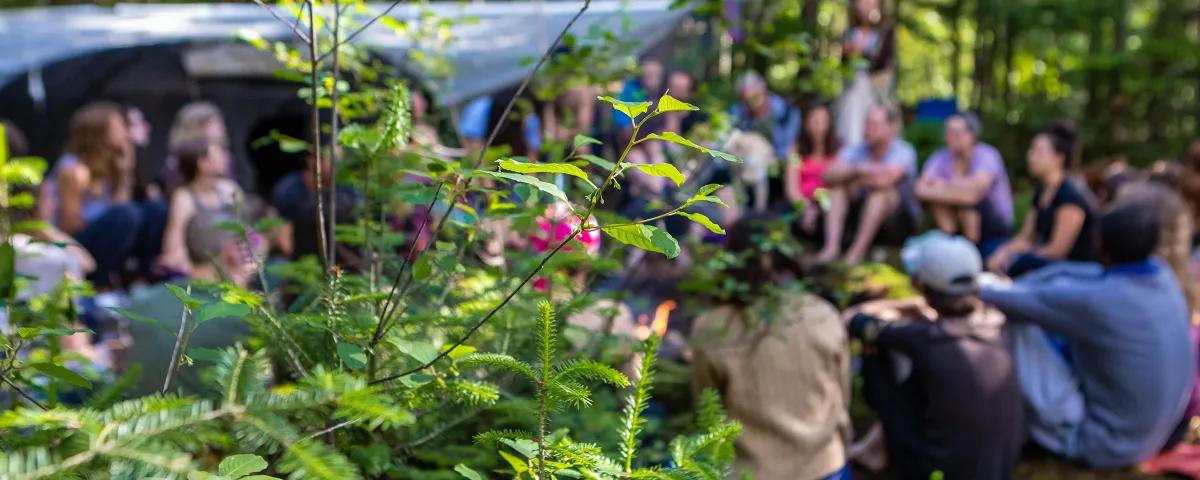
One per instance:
(487,54)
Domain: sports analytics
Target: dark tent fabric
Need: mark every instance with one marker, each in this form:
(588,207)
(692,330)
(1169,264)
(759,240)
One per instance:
(160,57)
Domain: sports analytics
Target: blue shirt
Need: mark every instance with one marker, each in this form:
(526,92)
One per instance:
(473,124)
(631,92)
(900,154)
(785,123)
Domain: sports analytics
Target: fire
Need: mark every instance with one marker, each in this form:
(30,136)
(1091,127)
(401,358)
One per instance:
(658,326)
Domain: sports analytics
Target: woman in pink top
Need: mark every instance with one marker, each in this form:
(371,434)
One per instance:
(817,149)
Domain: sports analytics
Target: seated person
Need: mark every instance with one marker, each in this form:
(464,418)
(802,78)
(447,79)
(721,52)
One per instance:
(871,185)
(966,188)
(212,252)
(478,120)
(1123,387)
(647,87)
(293,198)
(205,187)
(778,359)
(89,195)
(956,407)
(759,110)
(1060,225)
(817,149)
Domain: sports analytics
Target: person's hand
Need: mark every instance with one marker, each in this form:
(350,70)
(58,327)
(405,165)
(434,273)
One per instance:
(999,262)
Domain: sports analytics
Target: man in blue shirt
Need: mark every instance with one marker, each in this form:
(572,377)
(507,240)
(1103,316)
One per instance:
(871,185)
(474,122)
(648,87)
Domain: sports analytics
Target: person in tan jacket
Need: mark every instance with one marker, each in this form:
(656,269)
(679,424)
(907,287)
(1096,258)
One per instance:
(779,359)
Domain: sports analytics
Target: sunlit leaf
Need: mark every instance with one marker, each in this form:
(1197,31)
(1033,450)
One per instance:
(63,374)
(214,311)
(460,351)
(599,162)
(646,237)
(419,350)
(675,138)
(8,271)
(630,109)
(549,188)
(563,168)
(663,170)
(422,268)
(252,37)
(237,466)
(467,472)
(671,104)
(184,297)
(703,220)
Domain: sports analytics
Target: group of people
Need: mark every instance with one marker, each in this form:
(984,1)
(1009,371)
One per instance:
(1071,334)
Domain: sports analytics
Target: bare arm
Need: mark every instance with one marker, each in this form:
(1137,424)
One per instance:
(73,182)
(174,243)
(963,192)
(791,181)
(1068,222)
(840,173)
(881,176)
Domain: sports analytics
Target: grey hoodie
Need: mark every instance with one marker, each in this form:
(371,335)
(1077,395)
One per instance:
(1130,343)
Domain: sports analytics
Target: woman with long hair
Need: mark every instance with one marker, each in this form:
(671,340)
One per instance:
(778,359)
(870,44)
(206,188)
(1060,225)
(197,120)
(89,195)
(817,149)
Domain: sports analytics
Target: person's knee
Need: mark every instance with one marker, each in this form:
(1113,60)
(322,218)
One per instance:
(884,196)
(124,218)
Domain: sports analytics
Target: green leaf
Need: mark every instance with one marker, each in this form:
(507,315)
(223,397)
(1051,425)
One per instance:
(517,464)
(422,268)
(214,311)
(663,170)
(31,226)
(703,220)
(645,237)
(8,271)
(630,109)
(288,144)
(444,246)
(143,319)
(238,466)
(822,197)
(460,351)
(420,350)
(549,188)
(271,224)
(185,297)
(675,138)
(581,140)
(352,355)
(528,448)
(203,476)
(259,477)
(205,354)
(29,332)
(708,189)
(48,332)
(63,374)
(467,473)
(671,104)
(563,168)
(599,162)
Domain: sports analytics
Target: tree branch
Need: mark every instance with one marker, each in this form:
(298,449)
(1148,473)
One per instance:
(22,392)
(478,161)
(333,134)
(314,85)
(295,28)
(174,362)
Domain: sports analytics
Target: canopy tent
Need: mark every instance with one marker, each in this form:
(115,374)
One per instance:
(159,57)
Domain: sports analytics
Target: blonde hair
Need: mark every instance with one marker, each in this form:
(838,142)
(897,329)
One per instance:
(191,121)
(87,138)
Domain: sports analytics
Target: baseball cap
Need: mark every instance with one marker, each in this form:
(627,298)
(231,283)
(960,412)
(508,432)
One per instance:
(947,264)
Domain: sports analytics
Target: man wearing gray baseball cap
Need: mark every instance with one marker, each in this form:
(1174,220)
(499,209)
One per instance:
(958,408)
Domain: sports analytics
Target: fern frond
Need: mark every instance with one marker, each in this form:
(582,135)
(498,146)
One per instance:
(702,471)
(241,374)
(633,422)
(497,437)
(473,393)
(579,455)
(153,403)
(396,123)
(264,431)
(656,473)
(546,335)
(113,392)
(372,404)
(154,463)
(309,459)
(710,414)
(572,370)
(572,394)
(504,362)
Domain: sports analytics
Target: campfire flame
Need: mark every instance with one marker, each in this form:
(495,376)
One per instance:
(658,326)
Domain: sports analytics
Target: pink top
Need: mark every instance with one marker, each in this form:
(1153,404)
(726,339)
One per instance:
(552,230)
(811,171)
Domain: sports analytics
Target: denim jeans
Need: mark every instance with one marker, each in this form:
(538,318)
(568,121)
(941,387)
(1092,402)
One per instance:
(132,230)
